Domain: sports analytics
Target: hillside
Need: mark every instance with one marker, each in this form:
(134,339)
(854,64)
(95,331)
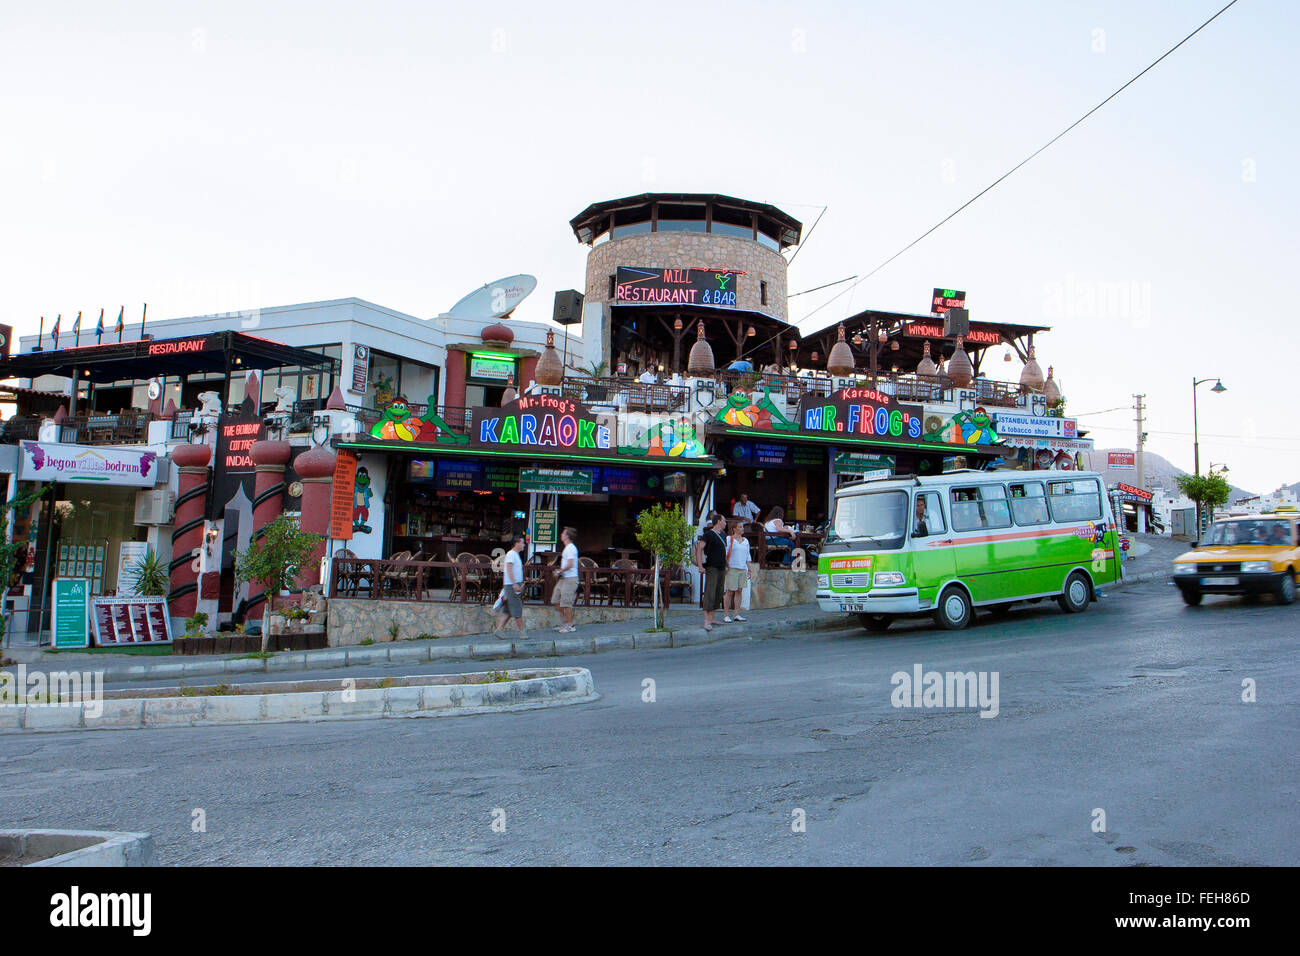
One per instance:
(1158,471)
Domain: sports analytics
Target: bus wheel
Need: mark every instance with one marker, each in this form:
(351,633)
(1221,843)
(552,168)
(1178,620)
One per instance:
(1286,588)
(876,623)
(1074,598)
(953,612)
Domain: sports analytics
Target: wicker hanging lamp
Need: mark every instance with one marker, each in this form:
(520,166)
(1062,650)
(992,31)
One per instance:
(960,369)
(1051,391)
(926,365)
(1031,376)
(700,361)
(550,368)
(840,361)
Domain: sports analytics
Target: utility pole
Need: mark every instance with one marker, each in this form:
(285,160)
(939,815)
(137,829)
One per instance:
(1141,470)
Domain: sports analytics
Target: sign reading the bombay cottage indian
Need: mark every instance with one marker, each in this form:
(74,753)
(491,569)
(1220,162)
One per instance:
(646,286)
(860,413)
(542,423)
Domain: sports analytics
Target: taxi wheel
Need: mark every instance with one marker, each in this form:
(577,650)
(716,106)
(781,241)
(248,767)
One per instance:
(1286,588)
(1192,598)
(1074,599)
(876,623)
(953,612)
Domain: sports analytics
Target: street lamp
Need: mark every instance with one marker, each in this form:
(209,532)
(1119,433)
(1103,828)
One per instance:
(1196,438)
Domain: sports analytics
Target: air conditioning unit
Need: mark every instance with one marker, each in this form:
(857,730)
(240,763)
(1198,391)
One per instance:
(154,506)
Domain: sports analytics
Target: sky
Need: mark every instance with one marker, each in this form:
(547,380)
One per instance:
(212,157)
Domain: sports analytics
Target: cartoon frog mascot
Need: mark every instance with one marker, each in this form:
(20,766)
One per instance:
(361,501)
(975,426)
(687,445)
(398,422)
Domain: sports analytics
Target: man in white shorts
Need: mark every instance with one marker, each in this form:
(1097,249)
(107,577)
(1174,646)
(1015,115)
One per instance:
(566,589)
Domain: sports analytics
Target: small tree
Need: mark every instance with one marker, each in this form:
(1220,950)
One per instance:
(1208,491)
(273,559)
(665,533)
(13,552)
(149,575)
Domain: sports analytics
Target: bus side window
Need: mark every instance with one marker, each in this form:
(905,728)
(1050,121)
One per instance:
(1074,501)
(980,507)
(933,516)
(1028,506)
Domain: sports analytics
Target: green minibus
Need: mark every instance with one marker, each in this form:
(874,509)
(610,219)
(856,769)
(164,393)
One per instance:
(946,544)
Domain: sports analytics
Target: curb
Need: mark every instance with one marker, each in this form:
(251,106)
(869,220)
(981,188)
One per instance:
(1139,579)
(79,847)
(433,651)
(314,700)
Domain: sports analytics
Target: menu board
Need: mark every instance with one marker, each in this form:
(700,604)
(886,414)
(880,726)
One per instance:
(68,628)
(131,620)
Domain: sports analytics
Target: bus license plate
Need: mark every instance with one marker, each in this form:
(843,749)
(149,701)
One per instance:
(1218,582)
(852,607)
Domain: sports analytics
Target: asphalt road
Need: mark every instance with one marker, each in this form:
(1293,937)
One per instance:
(1133,708)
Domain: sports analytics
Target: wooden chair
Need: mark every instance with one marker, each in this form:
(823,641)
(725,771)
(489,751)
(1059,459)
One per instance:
(349,578)
(469,576)
(495,579)
(599,583)
(395,579)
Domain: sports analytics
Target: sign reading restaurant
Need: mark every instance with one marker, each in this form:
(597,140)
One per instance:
(647,286)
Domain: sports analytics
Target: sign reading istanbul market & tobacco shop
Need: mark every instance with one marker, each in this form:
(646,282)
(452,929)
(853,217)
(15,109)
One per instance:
(541,423)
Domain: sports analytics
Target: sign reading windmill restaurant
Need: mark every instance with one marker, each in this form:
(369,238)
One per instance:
(654,286)
(978,334)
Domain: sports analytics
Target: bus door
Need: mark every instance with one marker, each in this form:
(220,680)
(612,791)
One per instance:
(931,546)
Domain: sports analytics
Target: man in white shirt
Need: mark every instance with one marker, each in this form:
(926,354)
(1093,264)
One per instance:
(647,377)
(566,589)
(744,508)
(512,594)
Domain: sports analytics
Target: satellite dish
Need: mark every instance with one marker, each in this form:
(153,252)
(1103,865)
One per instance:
(496,299)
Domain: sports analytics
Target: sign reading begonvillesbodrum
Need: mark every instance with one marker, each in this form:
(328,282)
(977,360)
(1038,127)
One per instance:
(650,286)
(87,464)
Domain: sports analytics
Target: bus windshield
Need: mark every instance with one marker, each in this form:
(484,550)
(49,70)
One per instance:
(879,518)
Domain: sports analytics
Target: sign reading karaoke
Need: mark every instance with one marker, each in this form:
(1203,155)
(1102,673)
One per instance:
(860,413)
(543,422)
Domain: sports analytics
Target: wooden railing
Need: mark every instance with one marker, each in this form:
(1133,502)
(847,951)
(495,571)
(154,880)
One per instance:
(480,583)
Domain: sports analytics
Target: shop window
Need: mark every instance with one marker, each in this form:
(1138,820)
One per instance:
(979,507)
(1028,506)
(1074,501)
(612,283)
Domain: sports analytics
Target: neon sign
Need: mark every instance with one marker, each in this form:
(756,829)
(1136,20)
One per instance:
(647,286)
(543,421)
(860,411)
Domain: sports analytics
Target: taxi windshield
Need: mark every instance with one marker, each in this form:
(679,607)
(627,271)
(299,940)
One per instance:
(1249,532)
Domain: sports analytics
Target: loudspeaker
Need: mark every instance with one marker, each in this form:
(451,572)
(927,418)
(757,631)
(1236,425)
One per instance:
(568,307)
(956,322)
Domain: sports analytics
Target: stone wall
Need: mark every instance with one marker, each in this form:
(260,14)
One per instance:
(352,621)
(780,587)
(694,250)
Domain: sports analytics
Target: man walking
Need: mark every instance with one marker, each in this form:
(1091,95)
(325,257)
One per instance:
(566,589)
(711,560)
(512,593)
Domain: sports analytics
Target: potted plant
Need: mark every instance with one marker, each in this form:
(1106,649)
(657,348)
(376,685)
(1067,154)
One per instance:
(596,390)
(273,561)
(196,638)
(149,575)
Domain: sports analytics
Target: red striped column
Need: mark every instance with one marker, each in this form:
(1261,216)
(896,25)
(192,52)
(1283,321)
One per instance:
(316,470)
(187,535)
(269,459)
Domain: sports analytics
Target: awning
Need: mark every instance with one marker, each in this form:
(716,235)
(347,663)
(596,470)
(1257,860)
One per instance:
(438,450)
(1051,444)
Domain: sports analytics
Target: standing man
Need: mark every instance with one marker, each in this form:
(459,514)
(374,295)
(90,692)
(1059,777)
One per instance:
(513,591)
(745,509)
(711,560)
(567,589)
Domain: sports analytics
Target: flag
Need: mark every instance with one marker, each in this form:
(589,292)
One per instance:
(54,330)
(76,330)
(99,327)
(121,322)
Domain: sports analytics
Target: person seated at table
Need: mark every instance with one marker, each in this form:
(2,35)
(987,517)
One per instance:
(647,377)
(746,509)
(779,534)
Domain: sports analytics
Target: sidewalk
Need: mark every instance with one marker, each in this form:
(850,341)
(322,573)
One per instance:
(1151,562)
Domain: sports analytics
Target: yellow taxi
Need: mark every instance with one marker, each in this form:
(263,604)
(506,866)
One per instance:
(1250,555)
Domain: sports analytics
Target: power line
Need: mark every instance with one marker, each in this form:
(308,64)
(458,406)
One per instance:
(1014,168)
(818,288)
(807,236)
